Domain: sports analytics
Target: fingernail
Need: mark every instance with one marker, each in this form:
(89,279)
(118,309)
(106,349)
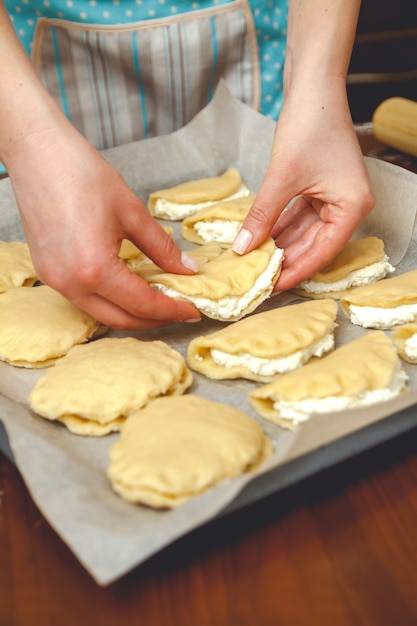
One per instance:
(242,241)
(189,262)
(193,320)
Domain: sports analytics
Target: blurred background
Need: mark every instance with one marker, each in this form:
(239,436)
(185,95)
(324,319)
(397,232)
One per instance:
(384,58)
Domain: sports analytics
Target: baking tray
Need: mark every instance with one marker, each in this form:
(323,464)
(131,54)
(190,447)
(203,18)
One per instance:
(65,474)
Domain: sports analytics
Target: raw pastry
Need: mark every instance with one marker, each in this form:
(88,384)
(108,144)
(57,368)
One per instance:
(360,262)
(405,338)
(359,373)
(265,344)
(96,386)
(179,447)
(16,267)
(226,288)
(176,203)
(38,325)
(388,303)
(219,222)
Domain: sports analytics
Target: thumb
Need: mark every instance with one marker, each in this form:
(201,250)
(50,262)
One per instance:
(268,205)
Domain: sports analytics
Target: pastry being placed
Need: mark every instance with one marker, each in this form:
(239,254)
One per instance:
(177,448)
(226,288)
(38,325)
(266,344)
(180,201)
(385,304)
(96,386)
(219,222)
(16,267)
(360,262)
(405,338)
(359,373)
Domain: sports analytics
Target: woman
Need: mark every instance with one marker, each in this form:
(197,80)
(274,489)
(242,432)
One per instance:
(60,180)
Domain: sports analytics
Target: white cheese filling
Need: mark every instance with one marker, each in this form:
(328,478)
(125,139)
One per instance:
(377,317)
(370,274)
(270,367)
(231,306)
(222,231)
(302,410)
(164,209)
(411,347)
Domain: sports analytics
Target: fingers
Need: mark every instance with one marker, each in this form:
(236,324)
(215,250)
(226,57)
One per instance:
(293,223)
(109,314)
(130,304)
(115,317)
(300,246)
(312,233)
(315,249)
(131,293)
(105,288)
(147,309)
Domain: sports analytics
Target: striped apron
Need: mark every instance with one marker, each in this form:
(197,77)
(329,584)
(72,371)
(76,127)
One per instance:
(124,70)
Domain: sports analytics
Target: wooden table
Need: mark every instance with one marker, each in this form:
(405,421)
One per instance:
(339,548)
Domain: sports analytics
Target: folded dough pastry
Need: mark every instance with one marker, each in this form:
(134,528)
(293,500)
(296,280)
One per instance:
(226,288)
(405,338)
(360,373)
(388,303)
(177,448)
(97,385)
(265,344)
(16,267)
(38,325)
(360,262)
(176,203)
(219,222)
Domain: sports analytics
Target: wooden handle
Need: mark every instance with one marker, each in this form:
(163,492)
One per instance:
(395,124)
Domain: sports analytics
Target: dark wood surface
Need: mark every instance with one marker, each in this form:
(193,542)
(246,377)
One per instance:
(339,549)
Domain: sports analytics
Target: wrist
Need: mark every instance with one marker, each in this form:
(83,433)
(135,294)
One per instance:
(319,42)
(312,95)
(30,133)
(21,123)
(310,75)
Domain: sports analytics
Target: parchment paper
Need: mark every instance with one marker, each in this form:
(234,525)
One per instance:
(66,474)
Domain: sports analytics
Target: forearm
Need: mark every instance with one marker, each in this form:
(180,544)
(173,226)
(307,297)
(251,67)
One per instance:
(26,108)
(319,42)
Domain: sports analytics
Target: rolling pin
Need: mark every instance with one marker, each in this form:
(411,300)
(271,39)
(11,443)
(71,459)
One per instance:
(395,124)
